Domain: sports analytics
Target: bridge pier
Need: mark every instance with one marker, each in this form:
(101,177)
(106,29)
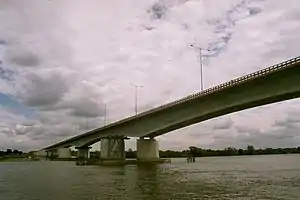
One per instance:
(48,153)
(83,153)
(63,153)
(113,148)
(147,149)
(51,154)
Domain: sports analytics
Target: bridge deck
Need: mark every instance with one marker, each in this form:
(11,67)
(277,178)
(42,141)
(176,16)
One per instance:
(218,88)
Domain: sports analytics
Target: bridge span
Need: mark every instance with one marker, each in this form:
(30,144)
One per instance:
(279,82)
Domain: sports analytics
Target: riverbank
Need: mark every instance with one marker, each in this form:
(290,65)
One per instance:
(16,159)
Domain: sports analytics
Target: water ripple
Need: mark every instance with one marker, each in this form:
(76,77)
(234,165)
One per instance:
(243,178)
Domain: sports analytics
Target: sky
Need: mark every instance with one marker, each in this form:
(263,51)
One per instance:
(62,62)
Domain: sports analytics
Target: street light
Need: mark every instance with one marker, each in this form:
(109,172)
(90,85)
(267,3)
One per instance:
(136,95)
(201,64)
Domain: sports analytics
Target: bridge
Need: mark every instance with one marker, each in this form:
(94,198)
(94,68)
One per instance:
(276,83)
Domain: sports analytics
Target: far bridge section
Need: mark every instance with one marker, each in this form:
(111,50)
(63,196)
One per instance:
(273,84)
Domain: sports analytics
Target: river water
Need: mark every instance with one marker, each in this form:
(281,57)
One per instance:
(252,177)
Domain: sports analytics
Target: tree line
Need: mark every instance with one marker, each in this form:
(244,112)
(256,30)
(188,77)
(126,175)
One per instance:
(191,151)
(9,152)
(229,151)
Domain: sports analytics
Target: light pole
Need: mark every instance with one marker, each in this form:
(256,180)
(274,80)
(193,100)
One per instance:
(201,64)
(136,96)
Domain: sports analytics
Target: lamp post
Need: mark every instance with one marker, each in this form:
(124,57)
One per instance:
(136,96)
(201,64)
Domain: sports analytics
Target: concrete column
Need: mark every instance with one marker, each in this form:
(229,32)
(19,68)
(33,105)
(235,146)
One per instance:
(64,153)
(52,154)
(147,149)
(83,152)
(112,148)
(41,153)
(48,154)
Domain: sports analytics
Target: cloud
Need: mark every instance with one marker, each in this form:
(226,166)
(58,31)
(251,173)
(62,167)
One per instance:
(6,74)
(224,123)
(45,89)
(158,10)
(292,118)
(255,11)
(66,66)
(26,59)
(84,100)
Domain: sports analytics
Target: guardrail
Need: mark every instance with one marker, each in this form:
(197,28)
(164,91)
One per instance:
(236,81)
(225,85)
(222,86)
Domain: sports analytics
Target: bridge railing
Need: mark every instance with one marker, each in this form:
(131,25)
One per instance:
(222,86)
(216,88)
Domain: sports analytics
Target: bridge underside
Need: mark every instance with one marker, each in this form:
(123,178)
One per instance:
(224,112)
(273,87)
(112,149)
(264,90)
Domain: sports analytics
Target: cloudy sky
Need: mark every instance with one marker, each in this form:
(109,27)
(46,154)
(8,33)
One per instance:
(62,61)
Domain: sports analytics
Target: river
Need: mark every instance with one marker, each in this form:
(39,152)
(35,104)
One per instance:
(245,177)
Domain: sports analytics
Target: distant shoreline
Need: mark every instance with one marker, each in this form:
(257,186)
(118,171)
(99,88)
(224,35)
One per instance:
(14,159)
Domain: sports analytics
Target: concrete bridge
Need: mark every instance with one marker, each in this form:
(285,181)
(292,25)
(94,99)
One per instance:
(279,82)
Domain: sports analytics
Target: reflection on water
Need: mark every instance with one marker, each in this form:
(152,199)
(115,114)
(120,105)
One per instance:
(254,177)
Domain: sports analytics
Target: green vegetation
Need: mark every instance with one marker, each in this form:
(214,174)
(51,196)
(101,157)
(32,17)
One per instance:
(230,151)
(15,155)
(12,155)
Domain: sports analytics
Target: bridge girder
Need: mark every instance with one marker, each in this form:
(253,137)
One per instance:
(276,83)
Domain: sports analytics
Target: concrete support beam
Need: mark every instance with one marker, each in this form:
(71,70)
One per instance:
(112,148)
(53,154)
(48,156)
(41,154)
(63,153)
(83,153)
(147,149)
